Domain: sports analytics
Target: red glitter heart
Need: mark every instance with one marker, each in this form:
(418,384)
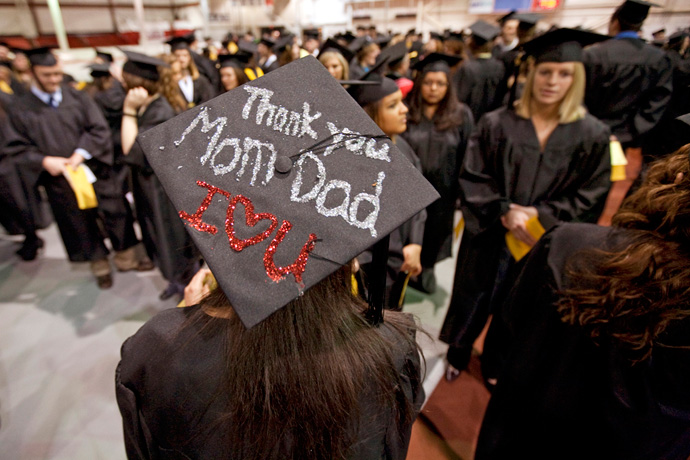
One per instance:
(251,220)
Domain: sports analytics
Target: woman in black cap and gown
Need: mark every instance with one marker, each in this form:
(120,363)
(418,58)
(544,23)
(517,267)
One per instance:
(282,360)
(166,241)
(544,159)
(438,130)
(232,68)
(598,344)
(195,87)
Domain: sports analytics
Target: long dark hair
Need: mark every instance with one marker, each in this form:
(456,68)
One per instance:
(633,293)
(296,380)
(449,112)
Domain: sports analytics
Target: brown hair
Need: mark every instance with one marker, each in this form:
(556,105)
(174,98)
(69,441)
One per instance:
(301,373)
(135,81)
(449,112)
(633,293)
(169,87)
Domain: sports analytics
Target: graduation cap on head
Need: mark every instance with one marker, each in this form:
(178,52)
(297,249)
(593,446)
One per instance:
(41,56)
(248,47)
(562,45)
(142,65)
(507,17)
(267,42)
(180,43)
(435,36)
(332,45)
(106,57)
(311,33)
(99,70)
(393,54)
(483,32)
(634,11)
(239,60)
(527,20)
(359,43)
(677,37)
(437,62)
(372,86)
(347,36)
(660,31)
(281,182)
(283,42)
(455,35)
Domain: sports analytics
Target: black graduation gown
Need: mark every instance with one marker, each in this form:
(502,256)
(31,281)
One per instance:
(208,69)
(561,396)
(40,130)
(166,240)
(504,164)
(113,181)
(440,154)
(410,232)
(476,83)
(628,86)
(203,91)
(168,376)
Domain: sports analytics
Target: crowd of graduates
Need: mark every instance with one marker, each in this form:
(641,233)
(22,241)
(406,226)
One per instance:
(521,131)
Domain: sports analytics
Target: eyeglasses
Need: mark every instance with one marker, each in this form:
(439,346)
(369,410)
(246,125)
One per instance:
(440,84)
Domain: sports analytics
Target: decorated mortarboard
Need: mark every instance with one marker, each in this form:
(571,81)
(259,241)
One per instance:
(106,57)
(239,60)
(332,45)
(436,62)
(41,56)
(483,32)
(99,70)
(394,54)
(634,11)
(180,43)
(281,182)
(561,45)
(507,16)
(142,65)
(527,20)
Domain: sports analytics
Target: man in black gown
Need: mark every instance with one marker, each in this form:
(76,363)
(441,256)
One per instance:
(56,127)
(629,85)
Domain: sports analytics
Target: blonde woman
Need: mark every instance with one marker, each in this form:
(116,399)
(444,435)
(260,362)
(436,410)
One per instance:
(546,158)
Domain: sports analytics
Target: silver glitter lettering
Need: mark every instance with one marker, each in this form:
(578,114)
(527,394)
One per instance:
(220,169)
(280,119)
(370,221)
(341,209)
(297,183)
(219,123)
(306,122)
(381,154)
(250,144)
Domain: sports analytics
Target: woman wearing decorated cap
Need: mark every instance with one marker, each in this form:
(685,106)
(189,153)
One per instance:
(383,102)
(283,359)
(597,363)
(527,167)
(438,129)
(165,239)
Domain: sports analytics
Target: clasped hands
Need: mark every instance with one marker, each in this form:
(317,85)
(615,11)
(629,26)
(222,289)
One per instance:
(57,166)
(515,220)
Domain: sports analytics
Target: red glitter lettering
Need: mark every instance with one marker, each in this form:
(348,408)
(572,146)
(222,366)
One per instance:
(195,219)
(298,266)
(251,219)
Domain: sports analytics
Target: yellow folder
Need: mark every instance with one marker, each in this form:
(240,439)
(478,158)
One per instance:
(618,161)
(83,189)
(519,249)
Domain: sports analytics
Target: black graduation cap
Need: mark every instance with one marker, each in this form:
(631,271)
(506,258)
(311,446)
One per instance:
(99,70)
(5,63)
(453,35)
(394,54)
(437,62)
(660,31)
(561,45)
(527,20)
(107,57)
(435,36)
(268,42)
(634,11)
(142,65)
(332,45)
(281,182)
(483,32)
(359,43)
(507,16)
(41,56)
(372,86)
(180,43)
(677,37)
(247,46)
(239,59)
(283,42)
(347,36)
(311,33)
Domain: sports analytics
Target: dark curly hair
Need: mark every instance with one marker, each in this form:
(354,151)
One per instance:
(631,294)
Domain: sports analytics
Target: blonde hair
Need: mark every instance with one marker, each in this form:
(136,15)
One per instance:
(323,57)
(571,108)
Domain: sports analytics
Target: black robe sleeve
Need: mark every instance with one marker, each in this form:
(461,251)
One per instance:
(96,138)
(138,439)
(159,111)
(203,91)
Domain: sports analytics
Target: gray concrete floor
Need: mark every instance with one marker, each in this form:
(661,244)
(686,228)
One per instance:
(60,339)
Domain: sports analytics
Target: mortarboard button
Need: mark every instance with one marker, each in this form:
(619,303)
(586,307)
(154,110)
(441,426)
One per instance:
(283,164)
(268,237)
